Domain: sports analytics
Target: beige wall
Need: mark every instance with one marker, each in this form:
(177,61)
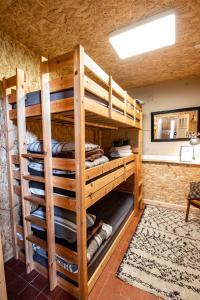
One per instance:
(164,182)
(170,95)
(12,55)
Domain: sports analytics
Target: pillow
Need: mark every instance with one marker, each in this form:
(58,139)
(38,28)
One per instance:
(194,190)
(65,222)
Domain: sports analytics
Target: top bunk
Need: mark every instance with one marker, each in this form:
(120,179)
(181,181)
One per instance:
(106,104)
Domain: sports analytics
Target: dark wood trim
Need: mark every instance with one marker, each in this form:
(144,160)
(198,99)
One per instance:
(172,111)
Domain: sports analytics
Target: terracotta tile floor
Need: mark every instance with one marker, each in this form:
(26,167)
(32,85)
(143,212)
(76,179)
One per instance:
(108,287)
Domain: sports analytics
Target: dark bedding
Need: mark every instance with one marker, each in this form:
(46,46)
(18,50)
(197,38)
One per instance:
(113,209)
(34,98)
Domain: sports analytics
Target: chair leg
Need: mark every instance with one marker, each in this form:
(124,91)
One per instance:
(187,211)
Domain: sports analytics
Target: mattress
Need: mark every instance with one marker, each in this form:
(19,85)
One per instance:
(34,98)
(113,209)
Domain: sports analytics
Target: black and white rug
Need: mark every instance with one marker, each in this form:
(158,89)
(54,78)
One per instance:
(163,257)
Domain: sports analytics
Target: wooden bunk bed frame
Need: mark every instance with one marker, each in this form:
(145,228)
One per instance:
(80,111)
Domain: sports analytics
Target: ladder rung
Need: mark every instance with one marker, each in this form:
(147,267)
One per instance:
(36,221)
(36,200)
(73,276)
(33,155)
(34,178)
(39,242)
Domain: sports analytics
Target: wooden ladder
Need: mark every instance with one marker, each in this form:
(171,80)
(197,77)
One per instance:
(46,156)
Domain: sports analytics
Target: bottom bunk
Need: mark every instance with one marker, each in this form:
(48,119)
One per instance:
(114,209)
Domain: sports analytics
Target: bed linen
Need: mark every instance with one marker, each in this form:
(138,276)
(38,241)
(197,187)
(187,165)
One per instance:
(113,209)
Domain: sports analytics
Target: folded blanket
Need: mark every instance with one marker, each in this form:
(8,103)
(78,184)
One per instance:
(122,151)
(36,167)
(65,222)
(95,243)
(58,148)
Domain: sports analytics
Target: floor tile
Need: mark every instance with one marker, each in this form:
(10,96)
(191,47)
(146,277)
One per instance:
(19,267)
(10,276)
(52,295)
(40,282)
(41,296)
(29,277)
(29,293)
(16,287)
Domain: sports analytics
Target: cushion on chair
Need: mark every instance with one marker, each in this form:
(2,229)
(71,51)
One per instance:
(194,191)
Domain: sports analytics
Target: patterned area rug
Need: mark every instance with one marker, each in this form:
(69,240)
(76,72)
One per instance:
(163,257)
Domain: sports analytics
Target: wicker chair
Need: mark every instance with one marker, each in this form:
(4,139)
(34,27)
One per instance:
(193,197)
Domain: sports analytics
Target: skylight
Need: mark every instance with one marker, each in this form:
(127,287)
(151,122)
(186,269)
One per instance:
(150,34)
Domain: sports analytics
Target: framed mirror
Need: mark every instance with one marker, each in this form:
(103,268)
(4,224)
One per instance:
(174,125)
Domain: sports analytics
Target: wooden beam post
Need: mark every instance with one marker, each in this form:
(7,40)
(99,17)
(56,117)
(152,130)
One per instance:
(79,116)
(21,128)
(9,150)
(46,130)
(3,291)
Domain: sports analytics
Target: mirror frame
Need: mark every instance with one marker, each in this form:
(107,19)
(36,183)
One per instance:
(172,111)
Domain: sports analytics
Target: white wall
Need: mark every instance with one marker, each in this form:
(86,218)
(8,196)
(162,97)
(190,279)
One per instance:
(170,95)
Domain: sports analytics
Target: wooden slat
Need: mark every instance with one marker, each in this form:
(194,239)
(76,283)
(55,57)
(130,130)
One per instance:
(93,106)
(17,190)
(62,251)
(33,155)
(3,291)
(64,183)
(21,129)
(99,183)
(60,62)
(39,242)
(101,169)
(79,115)
(93,87)
(61,83)
(34,199)
(16,174)
(68,287)
(57,163)
(9,151)
(64,202)
(12,81)
(90,200)
(73,276)
(36,221)
(47,148)
(63,163)
(95,69)
(15,159)
(66,253)
(34,178)
(12,97)
(61,105)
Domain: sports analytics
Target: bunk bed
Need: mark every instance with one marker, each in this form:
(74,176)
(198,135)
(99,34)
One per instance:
(87,97)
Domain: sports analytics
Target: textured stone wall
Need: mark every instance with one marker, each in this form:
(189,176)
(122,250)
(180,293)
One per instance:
(12,55)
(168,183)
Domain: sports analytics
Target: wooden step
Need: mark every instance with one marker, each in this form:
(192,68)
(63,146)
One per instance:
(33,155)
(39,242)
(36,221)
(62,251)
(35,199)
(73,276)
(34,178)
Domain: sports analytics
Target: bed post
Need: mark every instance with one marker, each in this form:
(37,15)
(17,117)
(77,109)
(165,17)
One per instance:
(9,150)
(79,117)
(46,129)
